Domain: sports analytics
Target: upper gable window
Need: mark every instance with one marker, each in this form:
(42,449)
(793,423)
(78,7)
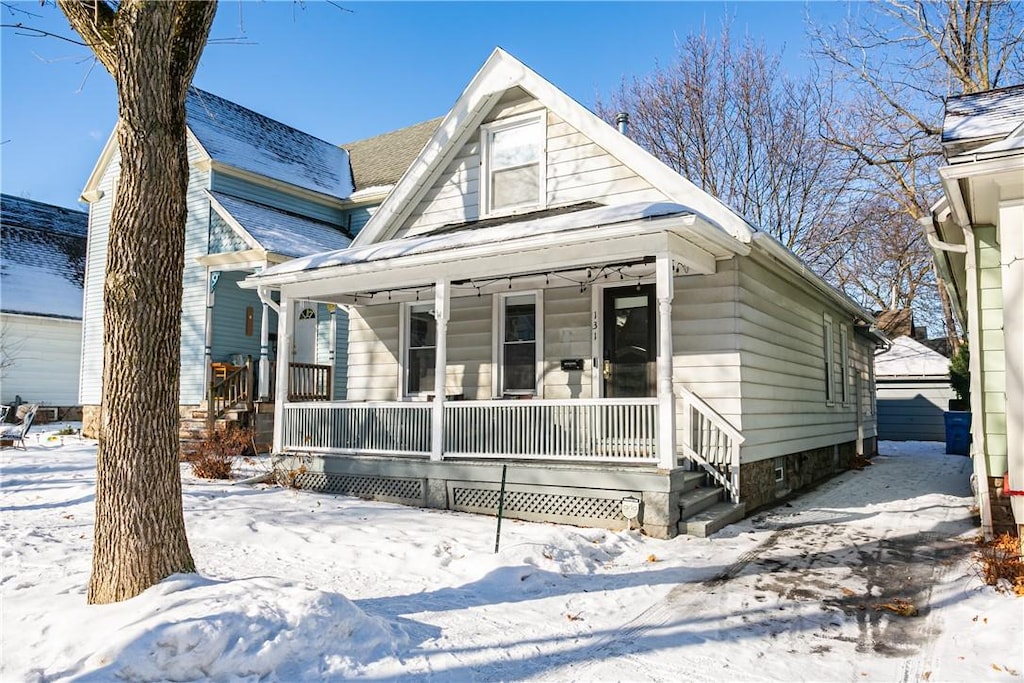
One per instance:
(512,172)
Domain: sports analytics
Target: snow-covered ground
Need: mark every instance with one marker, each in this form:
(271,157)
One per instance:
(301,586)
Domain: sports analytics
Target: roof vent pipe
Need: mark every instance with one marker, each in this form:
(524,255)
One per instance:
(622,121)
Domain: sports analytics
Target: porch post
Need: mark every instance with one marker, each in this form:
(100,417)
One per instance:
(666,395)
(284,345)
(441,302)
(265,353)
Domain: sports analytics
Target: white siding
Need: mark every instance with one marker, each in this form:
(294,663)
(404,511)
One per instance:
(373,353)
(42,357)
(578,170)
(567,334)
(783,367)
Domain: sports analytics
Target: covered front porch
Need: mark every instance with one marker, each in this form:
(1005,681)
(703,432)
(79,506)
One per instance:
(547,345)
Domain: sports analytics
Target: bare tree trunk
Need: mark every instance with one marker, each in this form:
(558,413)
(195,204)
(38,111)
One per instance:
(152,49)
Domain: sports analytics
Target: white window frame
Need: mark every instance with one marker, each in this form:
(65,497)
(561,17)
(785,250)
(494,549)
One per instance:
(405,336)
(487,132)
(497,355)
(828,351)
(845,395)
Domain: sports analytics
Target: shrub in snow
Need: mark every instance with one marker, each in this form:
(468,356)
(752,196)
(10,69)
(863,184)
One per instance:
(214,456)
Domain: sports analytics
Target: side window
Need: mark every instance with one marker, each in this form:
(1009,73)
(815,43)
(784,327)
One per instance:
(844,365)
(518,343)
(513,173)
(421,347)
(828,350)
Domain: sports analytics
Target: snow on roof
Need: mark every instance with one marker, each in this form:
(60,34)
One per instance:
(910,358)
(280,232)
(605,215)
(983,115)
(42,258)
(242,138)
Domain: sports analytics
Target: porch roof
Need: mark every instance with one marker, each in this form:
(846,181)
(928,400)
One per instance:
(512,240)
(276,231)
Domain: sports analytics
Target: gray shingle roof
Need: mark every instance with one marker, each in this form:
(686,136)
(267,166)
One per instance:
(42,258)
(980,117)
(381,160)
(244,139)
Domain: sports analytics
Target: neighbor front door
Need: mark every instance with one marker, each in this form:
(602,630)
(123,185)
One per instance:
(304,344)
(629,342)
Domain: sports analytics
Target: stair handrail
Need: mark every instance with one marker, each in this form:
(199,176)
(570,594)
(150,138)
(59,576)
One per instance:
(731,481)
(228,393)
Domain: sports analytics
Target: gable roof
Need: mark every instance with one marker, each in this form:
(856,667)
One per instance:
(276,231)
(241,138)
(981,117)
(42,258)
(381,160)
(500,73)
(910,358)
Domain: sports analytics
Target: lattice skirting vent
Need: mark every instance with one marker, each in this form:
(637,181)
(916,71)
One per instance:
(563,507)
(404,491)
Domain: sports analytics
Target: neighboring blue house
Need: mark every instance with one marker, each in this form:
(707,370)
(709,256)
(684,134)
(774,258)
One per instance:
(42,266)
(260,193)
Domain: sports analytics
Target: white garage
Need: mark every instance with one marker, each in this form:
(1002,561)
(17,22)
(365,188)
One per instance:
(913,392)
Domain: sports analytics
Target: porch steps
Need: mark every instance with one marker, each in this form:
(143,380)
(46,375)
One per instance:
(712,519)
(697,500)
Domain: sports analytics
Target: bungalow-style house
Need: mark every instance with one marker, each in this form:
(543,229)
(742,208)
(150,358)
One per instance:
(260,192)
(545,318)
(42,266)
(976,233)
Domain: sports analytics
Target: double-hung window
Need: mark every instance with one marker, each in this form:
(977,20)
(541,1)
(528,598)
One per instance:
(844,354)
(421,348)
(513,171)
(828,352)
(518,343)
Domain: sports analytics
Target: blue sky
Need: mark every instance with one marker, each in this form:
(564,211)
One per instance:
(343,75)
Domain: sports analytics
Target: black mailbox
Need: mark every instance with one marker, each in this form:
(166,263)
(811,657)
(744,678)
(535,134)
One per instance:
(572,364)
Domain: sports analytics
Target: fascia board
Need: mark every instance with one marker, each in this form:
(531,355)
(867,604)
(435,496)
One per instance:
(235,225)
(258,179)
(696,258)
(238,259)
(91,192)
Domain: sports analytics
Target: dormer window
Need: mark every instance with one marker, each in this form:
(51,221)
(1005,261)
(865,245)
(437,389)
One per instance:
(511,164)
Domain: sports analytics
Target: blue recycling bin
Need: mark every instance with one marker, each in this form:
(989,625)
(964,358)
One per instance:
(958,432)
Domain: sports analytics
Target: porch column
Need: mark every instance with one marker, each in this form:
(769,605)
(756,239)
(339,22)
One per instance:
(265,353)
(285,324)
(442,297)
(666,395)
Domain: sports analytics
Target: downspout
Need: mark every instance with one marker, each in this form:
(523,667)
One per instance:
(962,218)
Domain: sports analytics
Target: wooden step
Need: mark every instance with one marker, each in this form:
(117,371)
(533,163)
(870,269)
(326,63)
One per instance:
(712,519)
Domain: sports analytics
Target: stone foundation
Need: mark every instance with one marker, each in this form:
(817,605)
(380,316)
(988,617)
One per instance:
(1002,513)
(761,485)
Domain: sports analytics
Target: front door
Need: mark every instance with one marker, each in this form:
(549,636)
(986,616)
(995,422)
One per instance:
(304,344)
(630,336)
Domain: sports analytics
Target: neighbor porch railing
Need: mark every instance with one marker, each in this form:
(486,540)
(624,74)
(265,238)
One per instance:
(309,382)
(709,440)
(234,391)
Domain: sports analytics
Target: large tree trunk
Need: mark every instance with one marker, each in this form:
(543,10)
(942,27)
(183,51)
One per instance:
(152,49)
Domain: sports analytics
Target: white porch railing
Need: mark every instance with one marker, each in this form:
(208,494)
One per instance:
(710,441)
(616,430)
(383,428)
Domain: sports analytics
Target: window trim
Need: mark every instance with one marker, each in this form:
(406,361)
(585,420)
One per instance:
(845,394)
(498,340)
(405,336)
(828,351)
(487,132)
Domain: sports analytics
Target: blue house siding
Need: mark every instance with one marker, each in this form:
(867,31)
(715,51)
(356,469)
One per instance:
(262,194)
(230,310)
(356,218)
(222,237)
(194,285)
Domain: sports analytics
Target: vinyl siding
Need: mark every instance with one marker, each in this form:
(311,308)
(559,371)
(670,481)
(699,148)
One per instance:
(567,334)
(577,170)
(373,353)
(91,379)
(993,345)
(244,189)
(43,356)
(229,313)
(784,407)
(194,284)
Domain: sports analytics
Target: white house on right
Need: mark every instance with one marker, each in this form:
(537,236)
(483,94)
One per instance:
(976,233)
